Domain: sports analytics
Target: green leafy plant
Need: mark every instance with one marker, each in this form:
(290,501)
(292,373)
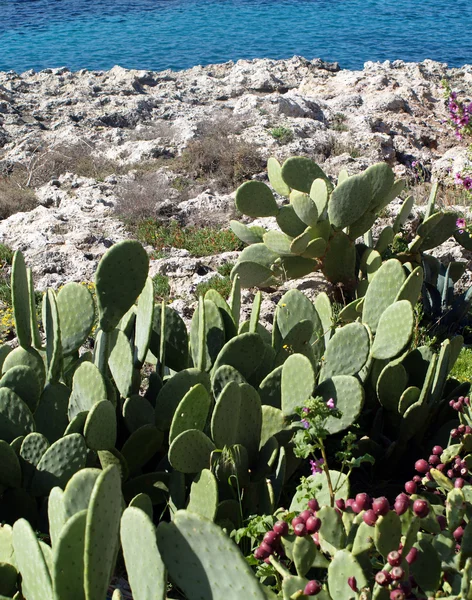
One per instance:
(284,135)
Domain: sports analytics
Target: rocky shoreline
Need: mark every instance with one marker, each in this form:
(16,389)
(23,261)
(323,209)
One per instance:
(124,119)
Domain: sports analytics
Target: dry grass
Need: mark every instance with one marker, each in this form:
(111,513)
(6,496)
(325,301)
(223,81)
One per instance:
(218,154)
(15,196)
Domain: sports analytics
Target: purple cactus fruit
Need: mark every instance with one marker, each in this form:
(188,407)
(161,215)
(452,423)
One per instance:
(300,529)
(441,467)
(312,588)
(410,487)
(438,450)
(316,538)
(421,508)
(402,504)
(411,556)
(461,429)
(459,482)
(271,538)
(394,558)
(313,524)
(296,521)
(397,594)
(458,534)
(340,504)
(455,434)
(349,502)
(381,506)
(363,501)
(441,519)
(263,551)
(434,460)
(397,573)
(305,514)
(356,508)
(421,466)
(383,578)
(369,517)
(281,528)
(468,429)
(450,473)
(416,479)
(313,504)
(352,583)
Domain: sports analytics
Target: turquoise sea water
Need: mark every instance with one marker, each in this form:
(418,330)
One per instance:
(177,34)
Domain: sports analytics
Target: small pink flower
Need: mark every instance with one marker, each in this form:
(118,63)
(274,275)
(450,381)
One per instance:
(467,183)
(316,466)
(458,178)
(330,404)
(305,410)
(305,423)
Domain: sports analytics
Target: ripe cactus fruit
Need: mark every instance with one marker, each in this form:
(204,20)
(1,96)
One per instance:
(421,508)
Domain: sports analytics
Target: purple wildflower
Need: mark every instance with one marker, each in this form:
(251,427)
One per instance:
(461,225)
(467,183)
(316,466)
(458,178)
(305,423)
(305,410)
(330,404)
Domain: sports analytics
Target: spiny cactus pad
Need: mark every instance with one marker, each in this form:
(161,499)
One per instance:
(204,562)
(76,315)
(349,201)
(190,451)
(255,199)
(348,395)
(24,382)
(100,428)
(120,278)
(394,330)
(347,351)
(146,571)
(15,416)
(192,411)
(20,300)
(204,495)
(298,382)
(68,559)
(382,291)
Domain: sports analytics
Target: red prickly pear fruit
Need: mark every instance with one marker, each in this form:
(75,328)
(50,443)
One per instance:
(281,528)
(416,479)
(271,538)
(421,508)
(356,508)
(459,482)
(434,460)
(312,588)
(381,506)
(394,558)
(263,551)
(369,517)
(296,521)
(411,556)
(402,504)
(438,450)
(340,504)
(410,487)
(305,514)
(397,573)
(363,501)
(397,594)
(441,519)
(458,534)
(300,530)
(313,524)
(313,504)
(352,583)
(316,538)
(421,466)
(383,578)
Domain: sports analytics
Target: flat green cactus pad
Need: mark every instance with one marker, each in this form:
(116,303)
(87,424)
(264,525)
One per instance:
(21,300)
(394,330)
(192,411)
(120,362)
(204,562)
(137,411)
(10,473)
(88,388)
(299,173)
(348,395)
(176,338)
(24,382)
(274,171)
(347,351)
(349,201)
(382,291)
(141,446)
(298,382)
(28,357)
(343,566)
(204,495)
(68,559)
(146,571)
(100,428)
(255,199)
(289,222)
(190,451)
(78,491)
(248,235)
(120,278)
(76,315)
(15,416)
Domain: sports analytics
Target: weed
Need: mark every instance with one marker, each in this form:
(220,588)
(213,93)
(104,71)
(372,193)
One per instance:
(220,155)
(338,122)
(161,287)
(138,198)
(6,255)
(15,196)
(284,135)
(339,147)
(225,269)
(199,241)
(221,284)
(462,370)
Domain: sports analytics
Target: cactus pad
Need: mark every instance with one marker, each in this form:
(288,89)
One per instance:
(347,351)
(299,173)
(204,495)
(349,201)
(10,473)
(298,381)
(21,300)
(192,411)
(348,396)
(382,292)
(68,559)
(255,199)
(23,381)
(76,315)
(204,562)
(100,427)
(120,278)
(274,172)
(190,451)
(15,416)
(394,330)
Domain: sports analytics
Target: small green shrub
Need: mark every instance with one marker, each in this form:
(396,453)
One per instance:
(221,284)
(199,241)
(161,287)
(15,196)
(6,255)
(225,269)
(338,122)
(284,135)
(462,370)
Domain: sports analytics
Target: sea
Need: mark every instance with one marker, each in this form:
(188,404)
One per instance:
(179,34)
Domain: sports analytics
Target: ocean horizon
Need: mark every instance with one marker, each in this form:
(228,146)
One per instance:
(179,34)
